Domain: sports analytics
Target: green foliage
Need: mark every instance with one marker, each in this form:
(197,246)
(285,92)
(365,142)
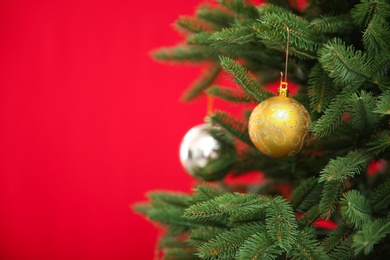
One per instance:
(241,77)
(361,108)
(242,8)
(191,25)
(202,83)
(377,36)
(380,198)
(310,216)
(226,244)
(379,143)
(355,208)
(339,61)
(230,94)
(259,246)
(281,223)
(383,104)
(329,198)
(364,12)
(307,246)
(239,35)
(306,195)
(332,24)
(272,31)
(338,242)
(205,192)
(228,206)
(372,233)
(184,53)
(215,15)
(344,64)
(342,167)
(200,236)
(332,116)
(321,91)
(180,254)
(235,127)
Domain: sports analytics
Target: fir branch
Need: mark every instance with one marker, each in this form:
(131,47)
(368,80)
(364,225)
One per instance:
(376,37)
(310,216)
(172,217)
(242,77)
(199,39)
(218,16)
(372,233)
(306,195)
(233,126)
(217,168)
(343,250)
(338,239)
(142,208)
(226,244)
(230,94)
(361,108)
(380,198)
(364,12)
(244,9)
(222,135)
(379,67)
(252,160)
(272,32)
(162,198)
(191,25)
(259,246)
(321,90)
(180,253)
(332,115)
(281,223)
(307,246)
(343,63)
(383,104)
(238,35)
(330,197)
(200,236)
(173,241)
(355,208)
(332,24)
(379,143)
(222,207)
(184,53)
(249,52)
(342,167)
(205,192)
(206,79)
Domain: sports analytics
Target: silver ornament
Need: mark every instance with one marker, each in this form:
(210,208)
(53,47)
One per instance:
(198,150)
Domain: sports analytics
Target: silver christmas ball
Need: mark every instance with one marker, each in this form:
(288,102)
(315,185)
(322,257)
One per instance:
(200,153)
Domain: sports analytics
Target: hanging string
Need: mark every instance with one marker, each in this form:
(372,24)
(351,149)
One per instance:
(210,105)
(287,45)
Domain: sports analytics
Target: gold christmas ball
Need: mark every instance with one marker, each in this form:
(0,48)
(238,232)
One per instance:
(278,126)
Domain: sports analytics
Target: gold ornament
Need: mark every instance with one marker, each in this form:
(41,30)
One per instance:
(278,125)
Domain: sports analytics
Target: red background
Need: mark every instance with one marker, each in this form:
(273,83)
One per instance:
(88,124)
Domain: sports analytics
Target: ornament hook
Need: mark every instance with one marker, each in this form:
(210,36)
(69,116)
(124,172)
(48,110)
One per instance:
(210,105)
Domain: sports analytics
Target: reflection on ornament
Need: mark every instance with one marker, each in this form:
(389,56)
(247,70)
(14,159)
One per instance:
(278,126)
(201,154)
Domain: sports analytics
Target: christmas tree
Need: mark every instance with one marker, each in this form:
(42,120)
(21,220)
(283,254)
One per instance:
(338,57)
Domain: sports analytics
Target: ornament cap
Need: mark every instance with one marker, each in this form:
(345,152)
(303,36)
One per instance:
(283,89)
